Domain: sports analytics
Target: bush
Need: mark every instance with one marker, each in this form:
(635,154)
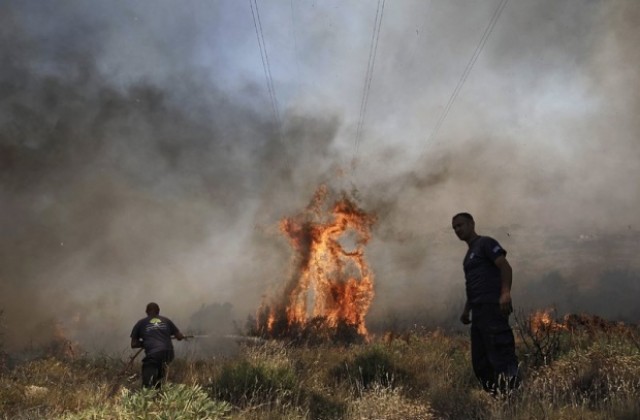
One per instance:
(174,401)
(373,366)
(326,407)
(244,383)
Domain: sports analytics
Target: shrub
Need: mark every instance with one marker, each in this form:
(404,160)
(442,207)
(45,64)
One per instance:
(541,339)
(244,383)
(374,365)
(322,406)
(174,401)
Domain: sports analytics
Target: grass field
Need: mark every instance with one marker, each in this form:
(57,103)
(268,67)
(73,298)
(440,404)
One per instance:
(588,370)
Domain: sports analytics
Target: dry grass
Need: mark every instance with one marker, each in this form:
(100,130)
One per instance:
(595,375)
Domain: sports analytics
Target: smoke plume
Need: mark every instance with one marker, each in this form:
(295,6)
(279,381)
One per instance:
(140,158)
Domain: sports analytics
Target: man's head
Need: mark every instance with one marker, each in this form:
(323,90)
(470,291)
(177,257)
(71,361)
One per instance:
(153,309)
(464,226)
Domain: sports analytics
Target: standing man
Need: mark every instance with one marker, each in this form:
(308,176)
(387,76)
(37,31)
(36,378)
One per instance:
(153,333)
(488,279)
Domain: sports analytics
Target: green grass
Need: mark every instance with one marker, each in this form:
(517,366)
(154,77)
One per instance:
(174,401)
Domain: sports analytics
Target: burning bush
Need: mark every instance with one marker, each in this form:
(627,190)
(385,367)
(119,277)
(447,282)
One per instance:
(331,289)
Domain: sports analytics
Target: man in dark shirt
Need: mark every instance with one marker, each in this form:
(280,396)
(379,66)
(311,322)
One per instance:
(153,333)
(488,278)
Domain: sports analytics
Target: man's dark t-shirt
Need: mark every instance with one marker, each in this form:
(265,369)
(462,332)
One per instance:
(155,332)
(483,282)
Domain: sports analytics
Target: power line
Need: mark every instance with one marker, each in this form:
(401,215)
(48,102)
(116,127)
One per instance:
(295,45)
(373,49)
(257,24)
(467,70)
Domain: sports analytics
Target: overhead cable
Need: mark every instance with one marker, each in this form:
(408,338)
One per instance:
(257,24)
(295,44)
(467,70)
(375,36)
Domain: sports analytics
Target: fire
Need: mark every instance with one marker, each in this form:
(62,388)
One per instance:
(60,345)
(331,283)
(543,321)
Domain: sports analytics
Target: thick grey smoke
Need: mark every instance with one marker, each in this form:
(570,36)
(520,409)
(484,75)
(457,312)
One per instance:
(140,160)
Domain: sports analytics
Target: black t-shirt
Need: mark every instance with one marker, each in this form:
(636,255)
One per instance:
(482,276)
(155,332)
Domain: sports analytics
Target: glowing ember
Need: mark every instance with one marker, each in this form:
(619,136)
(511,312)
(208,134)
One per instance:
(331,284)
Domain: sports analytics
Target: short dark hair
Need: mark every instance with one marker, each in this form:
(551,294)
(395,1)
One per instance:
(153,307)
(466,215)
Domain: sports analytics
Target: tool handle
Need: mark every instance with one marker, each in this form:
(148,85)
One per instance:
(136,353)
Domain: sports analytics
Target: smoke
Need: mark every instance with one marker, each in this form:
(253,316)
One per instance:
(140,160)
(541,147)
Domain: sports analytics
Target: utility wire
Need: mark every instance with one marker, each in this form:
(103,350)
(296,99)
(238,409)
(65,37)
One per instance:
(373,49)
(257,24)
(467,70)
(295,45)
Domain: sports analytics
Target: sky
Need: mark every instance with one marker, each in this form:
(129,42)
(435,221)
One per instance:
(148,150)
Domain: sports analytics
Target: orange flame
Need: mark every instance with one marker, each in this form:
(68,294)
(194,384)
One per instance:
(60,345)
(331,280)
(543,321)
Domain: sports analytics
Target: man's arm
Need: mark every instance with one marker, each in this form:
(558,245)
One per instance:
(506,278)
(175,331)
(464,318)
(135,343)
(136,339)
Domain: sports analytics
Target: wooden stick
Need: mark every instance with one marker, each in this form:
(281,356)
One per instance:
(116,385)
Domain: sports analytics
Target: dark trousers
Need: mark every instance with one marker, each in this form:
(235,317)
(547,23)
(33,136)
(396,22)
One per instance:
(154,368)
(493,353)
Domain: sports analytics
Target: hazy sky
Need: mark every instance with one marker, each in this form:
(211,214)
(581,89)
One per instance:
(140,157)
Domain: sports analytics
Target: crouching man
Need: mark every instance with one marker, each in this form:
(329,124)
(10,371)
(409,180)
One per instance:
(153,333)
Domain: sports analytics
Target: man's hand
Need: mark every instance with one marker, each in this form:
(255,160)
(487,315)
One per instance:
(506,278)
(506,306)
(464,318)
